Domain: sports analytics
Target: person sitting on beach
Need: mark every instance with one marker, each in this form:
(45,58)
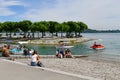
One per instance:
(35,59)
(68,54)
(39,63)
(6,51)
(62,52)
(29,52)
(58,54)
(25,52)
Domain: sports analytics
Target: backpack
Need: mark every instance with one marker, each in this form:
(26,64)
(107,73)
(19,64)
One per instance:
(40,64)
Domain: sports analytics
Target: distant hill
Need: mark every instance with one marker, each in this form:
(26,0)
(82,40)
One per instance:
(101,31)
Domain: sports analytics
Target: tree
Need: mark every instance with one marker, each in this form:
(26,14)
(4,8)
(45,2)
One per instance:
(57,28)
(44,27)
(15,27)
(52,25)
(82,26)
(72,26)
(65,28)
(33,29)
(1,27)
(36,27)
(25,26)
(8,27)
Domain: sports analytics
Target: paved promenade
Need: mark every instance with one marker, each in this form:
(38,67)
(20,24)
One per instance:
(10,70)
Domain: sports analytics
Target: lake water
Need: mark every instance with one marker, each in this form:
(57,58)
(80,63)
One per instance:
(111,41)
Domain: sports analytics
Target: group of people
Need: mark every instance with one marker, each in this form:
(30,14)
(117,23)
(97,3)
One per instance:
(27,51)
(35,58)
(63,54)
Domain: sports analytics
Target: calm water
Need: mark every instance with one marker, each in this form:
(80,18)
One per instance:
(111,42)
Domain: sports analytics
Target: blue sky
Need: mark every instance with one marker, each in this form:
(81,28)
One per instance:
(97,14)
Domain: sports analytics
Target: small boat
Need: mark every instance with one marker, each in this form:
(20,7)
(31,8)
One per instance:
(18,51)
(23,42)
(64,46)
(97,46)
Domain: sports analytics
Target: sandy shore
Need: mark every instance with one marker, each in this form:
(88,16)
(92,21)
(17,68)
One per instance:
(105,70)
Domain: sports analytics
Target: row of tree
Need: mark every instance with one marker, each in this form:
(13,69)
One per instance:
(42,27)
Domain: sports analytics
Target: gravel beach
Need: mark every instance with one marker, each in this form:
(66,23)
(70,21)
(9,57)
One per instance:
(104,70)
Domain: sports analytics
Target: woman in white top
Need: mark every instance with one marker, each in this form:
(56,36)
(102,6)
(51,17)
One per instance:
(34,58)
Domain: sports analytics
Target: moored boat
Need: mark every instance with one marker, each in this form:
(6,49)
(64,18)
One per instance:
(23,42)
(16,51)
(20,51)
(64,47)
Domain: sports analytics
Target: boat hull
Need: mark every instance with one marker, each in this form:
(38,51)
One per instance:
(97,47)
(64,46)
(16,51)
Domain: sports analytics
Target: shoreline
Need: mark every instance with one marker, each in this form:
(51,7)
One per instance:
(104,70)
(47,41)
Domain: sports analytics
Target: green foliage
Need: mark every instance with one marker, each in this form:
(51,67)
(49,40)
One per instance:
(69,27)
(25,25)
(1,27)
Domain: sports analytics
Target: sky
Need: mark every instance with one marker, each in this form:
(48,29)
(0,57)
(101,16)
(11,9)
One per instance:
(97,14)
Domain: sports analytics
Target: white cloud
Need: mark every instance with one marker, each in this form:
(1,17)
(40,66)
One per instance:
(4,7)
(98,14)
(5,11)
